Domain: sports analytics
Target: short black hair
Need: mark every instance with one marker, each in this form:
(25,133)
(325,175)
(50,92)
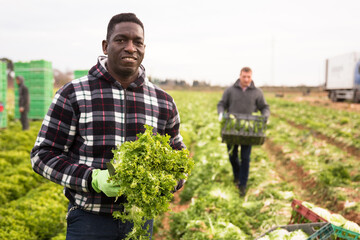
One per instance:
(122,17)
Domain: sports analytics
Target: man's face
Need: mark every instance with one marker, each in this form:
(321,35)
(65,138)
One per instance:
(245,79)
(125,49)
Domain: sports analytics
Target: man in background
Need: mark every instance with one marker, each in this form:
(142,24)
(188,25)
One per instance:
(244,98)
(24,102)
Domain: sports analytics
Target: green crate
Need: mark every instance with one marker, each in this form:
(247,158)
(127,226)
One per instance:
(46,92)
(33,66)
(40,64)
(3,94)
(39,79)
(342,233)
(3,114)
(323,233)
(37,114)
(47,75)
(80,73)
(242,129)
(3,97)
(40,100)
(3,75)
(17,113)
(45,71)
(3,66)
(21,66)
(47,84)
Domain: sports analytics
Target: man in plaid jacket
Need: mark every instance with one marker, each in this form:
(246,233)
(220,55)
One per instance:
(89,117)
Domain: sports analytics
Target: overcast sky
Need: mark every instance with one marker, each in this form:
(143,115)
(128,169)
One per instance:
(284,42)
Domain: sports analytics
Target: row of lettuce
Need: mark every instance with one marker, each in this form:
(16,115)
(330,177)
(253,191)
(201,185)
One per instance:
(31,207)
(337,124)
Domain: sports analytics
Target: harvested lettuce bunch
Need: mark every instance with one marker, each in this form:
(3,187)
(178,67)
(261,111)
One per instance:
(147,171)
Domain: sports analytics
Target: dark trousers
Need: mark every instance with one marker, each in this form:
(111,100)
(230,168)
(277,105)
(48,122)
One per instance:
(24,120)
(240,169)
(83,225)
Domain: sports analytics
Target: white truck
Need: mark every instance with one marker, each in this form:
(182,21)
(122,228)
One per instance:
(342,77)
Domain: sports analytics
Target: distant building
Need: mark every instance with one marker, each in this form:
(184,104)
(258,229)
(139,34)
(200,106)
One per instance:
(197,83)
(168,82)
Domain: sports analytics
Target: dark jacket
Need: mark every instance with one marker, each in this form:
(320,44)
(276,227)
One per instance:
(24,99)
(235,100)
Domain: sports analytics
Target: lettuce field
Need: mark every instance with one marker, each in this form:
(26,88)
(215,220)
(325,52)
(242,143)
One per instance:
(311,153)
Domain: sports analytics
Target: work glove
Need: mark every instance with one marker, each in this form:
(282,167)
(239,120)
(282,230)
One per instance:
(100,183)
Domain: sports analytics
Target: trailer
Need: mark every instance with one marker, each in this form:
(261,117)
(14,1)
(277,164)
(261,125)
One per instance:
(342,77)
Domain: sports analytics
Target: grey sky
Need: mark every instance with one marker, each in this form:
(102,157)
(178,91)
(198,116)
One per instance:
(284,42)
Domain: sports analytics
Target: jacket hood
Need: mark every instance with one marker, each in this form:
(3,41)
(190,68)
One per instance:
(21,80)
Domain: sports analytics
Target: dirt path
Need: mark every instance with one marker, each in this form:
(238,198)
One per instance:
(176,207)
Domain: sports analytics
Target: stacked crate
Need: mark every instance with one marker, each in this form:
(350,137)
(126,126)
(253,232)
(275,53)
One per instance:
(39,79)
(3,95)
(80,73)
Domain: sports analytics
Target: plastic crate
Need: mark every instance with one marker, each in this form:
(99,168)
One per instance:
(80,73)
(242,129)
(40,64)
(342,233)
(323,233)
(320,230)
(3,115)
(302,212)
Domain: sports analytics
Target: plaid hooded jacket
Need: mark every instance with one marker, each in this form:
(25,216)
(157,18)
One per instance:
(87,119)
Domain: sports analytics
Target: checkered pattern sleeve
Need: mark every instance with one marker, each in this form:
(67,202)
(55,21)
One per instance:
(173,129)
(49,156)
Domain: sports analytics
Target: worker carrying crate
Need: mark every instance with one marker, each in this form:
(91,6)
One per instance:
(239,127)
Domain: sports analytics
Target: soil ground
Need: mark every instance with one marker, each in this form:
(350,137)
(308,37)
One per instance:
(175,206)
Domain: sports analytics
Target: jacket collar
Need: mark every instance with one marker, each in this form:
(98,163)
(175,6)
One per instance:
(237,84)
(100,71)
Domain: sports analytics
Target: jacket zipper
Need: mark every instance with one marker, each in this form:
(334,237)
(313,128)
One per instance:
(125,113)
